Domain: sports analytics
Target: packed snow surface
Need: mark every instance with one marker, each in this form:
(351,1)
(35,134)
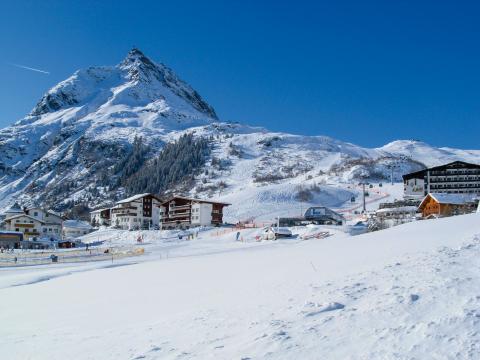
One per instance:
(409,292)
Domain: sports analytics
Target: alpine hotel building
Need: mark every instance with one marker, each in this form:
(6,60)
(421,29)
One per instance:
(457,177)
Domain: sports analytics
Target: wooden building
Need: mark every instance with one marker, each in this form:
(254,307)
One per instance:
(443,204)
(183,212)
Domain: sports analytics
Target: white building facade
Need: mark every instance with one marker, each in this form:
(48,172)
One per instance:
(32,222)
(137,212)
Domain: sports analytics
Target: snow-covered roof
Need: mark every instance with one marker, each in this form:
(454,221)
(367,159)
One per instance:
(99,210)
(78,224)
(136,197)
(397,209)
(453,199)
(51,212)
(14,209)
(20,215)
(194,200)
(420,174)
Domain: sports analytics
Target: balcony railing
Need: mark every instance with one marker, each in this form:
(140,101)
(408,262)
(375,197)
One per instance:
(125,214)
(176,215)
(454,180)
(179,207)
(167,222)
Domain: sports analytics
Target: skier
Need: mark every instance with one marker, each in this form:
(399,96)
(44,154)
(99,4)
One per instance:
(238,235)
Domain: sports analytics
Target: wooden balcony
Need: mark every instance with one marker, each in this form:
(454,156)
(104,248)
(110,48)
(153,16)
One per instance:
(179,207)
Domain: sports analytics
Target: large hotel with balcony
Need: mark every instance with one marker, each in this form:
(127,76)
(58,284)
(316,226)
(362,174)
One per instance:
(457,177)
(137,212)
(183,212)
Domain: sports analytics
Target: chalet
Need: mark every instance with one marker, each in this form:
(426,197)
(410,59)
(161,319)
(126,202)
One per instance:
(46,216)
(32,222)
(442,204)
(26,224)
(140,211)
(184,212)
(457,177)
(100,217)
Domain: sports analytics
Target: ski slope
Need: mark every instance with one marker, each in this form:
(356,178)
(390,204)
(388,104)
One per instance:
(408,292)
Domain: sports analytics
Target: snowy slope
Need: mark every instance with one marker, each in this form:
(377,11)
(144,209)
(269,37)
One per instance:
(61,152)
(409,292)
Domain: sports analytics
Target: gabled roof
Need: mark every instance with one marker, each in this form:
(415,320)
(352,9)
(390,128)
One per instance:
(452,199)
(99,210)
(397,209)
(20,215)
(194,200)
(420,174)
(137,197)
(45,210)
(14,209)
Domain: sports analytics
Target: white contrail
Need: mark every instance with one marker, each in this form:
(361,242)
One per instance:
(30,68)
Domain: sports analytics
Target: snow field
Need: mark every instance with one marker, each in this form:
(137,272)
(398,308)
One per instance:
(403,293)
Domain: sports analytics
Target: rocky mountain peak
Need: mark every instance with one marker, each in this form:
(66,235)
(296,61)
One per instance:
(135,55)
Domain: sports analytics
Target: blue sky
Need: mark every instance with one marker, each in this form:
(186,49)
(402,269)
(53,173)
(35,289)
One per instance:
(361,71)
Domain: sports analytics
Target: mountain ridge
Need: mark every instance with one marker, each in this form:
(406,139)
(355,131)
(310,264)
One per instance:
(87,123)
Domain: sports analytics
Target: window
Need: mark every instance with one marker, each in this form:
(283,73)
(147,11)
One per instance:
(35,213)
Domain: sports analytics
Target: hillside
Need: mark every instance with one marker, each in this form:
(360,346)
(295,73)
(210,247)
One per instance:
(407,292)
(71,148)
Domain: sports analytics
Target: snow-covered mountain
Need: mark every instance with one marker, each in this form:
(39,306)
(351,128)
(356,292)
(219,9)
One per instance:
(60,152)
